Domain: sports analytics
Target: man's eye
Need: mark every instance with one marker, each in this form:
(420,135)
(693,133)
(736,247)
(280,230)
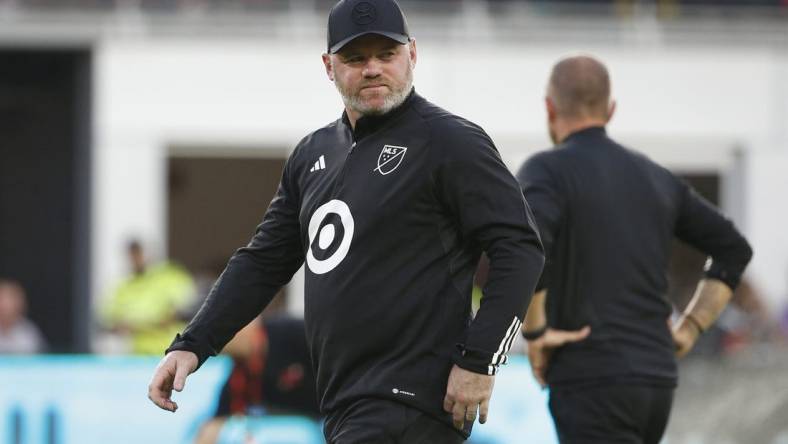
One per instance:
(356,59)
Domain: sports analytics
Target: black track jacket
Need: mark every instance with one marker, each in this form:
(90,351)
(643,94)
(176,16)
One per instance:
(607,217)
(391,220)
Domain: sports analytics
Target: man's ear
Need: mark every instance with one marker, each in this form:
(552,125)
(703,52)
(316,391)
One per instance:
(611,109)
(551,109)
(412,53)
(329,66)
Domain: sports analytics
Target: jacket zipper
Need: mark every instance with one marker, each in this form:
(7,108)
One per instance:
(345,166)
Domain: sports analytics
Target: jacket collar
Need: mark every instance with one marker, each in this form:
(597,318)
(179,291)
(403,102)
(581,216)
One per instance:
(592,132)
(367,125)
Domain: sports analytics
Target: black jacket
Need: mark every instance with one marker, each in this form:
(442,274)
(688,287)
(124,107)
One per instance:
(391,219)
(607,216)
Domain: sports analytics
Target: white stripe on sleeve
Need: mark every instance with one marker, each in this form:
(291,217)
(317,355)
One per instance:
(506,342)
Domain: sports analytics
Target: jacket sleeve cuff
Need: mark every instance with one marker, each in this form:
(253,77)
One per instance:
(716,270)
(186,342)
(475,361)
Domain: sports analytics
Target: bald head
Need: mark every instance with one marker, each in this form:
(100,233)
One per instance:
(580,88)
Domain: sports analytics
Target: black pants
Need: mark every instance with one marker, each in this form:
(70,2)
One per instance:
(626,414)
(379,421)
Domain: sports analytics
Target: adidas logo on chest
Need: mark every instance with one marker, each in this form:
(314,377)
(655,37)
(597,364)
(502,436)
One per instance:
(320,164)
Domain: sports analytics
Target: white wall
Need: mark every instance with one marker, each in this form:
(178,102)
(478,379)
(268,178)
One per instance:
(688,107)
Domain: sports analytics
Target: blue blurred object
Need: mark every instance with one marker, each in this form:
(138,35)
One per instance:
(518,409)
(270,430)
(90,399)
(98,400)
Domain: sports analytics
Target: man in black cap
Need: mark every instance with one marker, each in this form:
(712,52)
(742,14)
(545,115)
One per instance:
(390,207)
(607,216)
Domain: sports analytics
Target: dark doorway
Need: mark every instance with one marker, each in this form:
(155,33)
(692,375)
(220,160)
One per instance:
(45,188)
(214,205)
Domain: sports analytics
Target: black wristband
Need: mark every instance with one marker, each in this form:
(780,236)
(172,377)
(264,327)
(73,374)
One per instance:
(534,334)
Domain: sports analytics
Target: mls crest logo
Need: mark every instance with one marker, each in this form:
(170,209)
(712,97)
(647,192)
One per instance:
(390,158)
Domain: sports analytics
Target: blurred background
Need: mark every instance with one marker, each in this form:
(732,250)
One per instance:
(141,141)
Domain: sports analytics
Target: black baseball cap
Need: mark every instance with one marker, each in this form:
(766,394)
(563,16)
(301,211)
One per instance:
(349,19)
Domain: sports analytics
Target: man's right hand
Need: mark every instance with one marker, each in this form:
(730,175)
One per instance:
(710,299)
(171,374)
(685,334)
(466,393)
(540,349)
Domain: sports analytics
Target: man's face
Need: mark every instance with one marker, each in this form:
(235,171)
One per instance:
(12,306)
(374,74)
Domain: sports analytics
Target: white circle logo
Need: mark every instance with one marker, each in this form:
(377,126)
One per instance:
(327,236)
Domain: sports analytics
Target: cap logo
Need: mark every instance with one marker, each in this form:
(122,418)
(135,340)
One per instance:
(364,13)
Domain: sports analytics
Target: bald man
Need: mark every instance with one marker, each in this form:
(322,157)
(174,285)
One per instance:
(18,335)
(597,328)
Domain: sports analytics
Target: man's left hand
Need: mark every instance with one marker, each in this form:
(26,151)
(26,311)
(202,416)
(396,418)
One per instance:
(540,349)
(466,393)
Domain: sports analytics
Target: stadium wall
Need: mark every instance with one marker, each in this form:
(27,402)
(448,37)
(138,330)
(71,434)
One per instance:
(695,108)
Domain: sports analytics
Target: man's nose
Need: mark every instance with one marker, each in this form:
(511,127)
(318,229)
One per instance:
(372,69)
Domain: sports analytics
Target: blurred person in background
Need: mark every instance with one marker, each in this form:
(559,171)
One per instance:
(148,306)
(271,375)
(598,328)
(390,207)
(18,335)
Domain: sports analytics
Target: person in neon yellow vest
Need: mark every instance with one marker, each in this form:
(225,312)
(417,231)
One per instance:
(146,305)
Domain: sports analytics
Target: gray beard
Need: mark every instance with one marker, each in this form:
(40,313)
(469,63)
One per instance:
(390,102)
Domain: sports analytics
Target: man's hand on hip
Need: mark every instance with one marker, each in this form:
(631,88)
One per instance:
(540,349)
(685,334)
(171,374)
(466,393)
